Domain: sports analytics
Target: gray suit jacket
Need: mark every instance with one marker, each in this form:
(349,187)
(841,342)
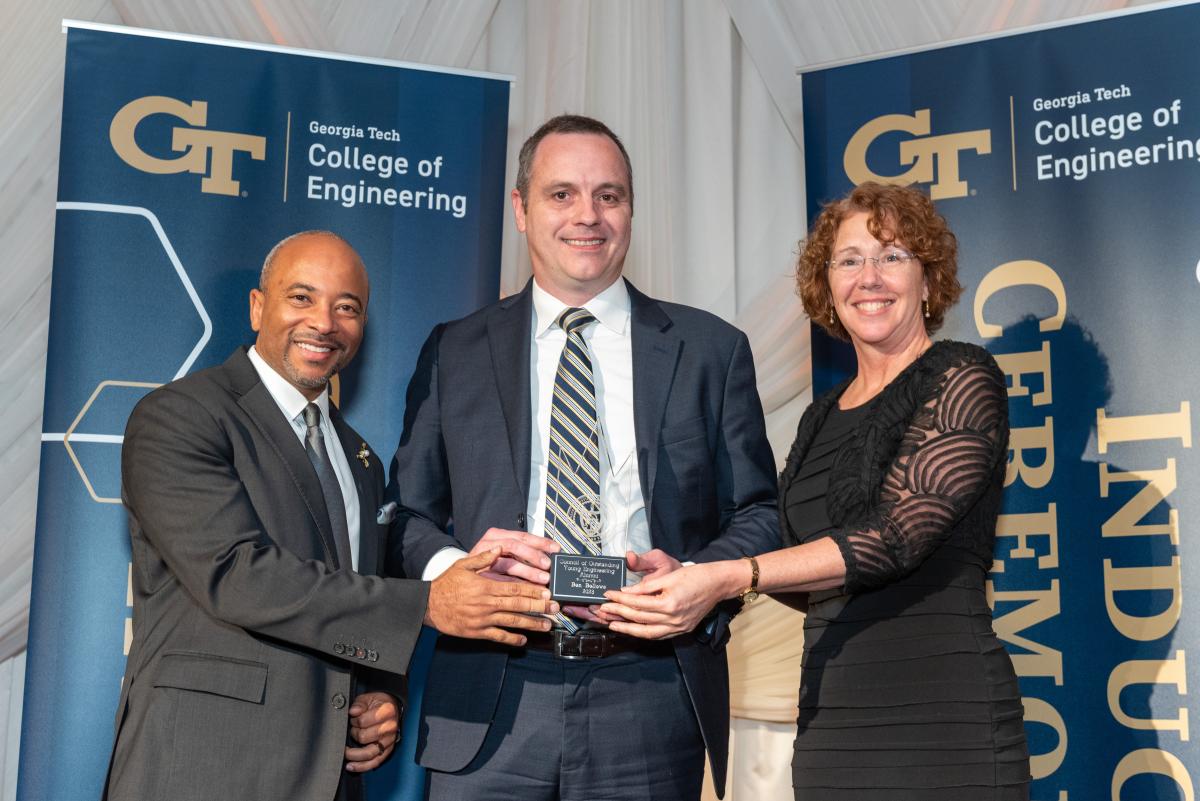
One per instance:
(706,470)
(248,639)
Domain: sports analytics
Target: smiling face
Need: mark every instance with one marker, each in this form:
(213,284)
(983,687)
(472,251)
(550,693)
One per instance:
(578,215)
(311,312)
(880,309)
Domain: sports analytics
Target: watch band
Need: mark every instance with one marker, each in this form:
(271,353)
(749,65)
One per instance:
(751,593)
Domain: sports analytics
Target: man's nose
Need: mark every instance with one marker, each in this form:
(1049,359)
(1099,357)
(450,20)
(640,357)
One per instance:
(587,211)
(322,319)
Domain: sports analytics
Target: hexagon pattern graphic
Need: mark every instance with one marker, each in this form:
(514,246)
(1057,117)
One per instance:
(71,434)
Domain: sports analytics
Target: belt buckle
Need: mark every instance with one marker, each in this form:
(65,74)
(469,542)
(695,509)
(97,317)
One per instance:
(567,646)
(574,647)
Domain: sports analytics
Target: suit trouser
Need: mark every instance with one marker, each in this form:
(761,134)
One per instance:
(619,728)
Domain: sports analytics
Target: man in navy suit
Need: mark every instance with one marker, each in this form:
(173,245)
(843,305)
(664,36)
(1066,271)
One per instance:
(580,409)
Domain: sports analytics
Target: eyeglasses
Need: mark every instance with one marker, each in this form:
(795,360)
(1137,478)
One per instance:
(889,262)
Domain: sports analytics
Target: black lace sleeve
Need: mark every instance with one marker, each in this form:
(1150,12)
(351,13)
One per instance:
(949,456)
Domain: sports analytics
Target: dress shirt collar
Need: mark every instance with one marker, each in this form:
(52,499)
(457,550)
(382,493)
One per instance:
(610,308)
(289,399)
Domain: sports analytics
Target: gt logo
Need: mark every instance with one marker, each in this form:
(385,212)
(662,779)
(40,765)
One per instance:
(194,143)
(921,153)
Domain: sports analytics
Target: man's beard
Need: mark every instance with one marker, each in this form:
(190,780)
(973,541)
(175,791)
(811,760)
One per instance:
(311,382)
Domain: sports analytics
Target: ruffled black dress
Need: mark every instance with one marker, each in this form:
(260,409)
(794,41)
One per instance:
(906,692)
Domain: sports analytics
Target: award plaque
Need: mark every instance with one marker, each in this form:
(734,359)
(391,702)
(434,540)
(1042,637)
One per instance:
(583,578)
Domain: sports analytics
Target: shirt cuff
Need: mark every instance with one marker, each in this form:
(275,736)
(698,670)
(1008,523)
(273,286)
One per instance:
(440,562)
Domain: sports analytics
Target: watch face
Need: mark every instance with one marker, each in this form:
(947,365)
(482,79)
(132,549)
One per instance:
(749,596)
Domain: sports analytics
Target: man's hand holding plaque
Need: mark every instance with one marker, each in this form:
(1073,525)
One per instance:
(523,556)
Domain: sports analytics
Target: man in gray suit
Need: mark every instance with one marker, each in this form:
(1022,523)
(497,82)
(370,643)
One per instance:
(584,415)
(259,620)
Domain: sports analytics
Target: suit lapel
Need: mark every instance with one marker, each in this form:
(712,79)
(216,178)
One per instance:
(655,356)
(508,338)
(368,503)
(258,404)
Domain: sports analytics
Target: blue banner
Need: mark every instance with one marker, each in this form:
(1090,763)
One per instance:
(182,162)
(1068,164)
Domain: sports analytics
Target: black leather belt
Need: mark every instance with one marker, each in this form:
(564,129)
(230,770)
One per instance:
(588,644)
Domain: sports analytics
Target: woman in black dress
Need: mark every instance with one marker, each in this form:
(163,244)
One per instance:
(888,502)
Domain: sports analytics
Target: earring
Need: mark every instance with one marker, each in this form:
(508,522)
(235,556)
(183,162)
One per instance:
(831,320)
(925,307)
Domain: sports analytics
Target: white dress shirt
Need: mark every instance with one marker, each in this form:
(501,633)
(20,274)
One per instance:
(623,509)
(291,402)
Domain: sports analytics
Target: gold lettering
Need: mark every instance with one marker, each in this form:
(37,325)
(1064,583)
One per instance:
(1033,362)
(1042,605)
(1132,579)
(1039,711)
(1149,671)
(854,160)
(946,148)
(1143,427)
(1152,760)
(194,143)
(923,153)
(222,145)
(1124,522)
(124,125)
(1035,438)
(1023,526)
(1021,273)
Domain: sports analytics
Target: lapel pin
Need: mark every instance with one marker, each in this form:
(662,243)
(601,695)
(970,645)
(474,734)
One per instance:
(363,454)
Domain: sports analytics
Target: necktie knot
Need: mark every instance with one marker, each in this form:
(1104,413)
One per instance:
(573,319)
(312,415)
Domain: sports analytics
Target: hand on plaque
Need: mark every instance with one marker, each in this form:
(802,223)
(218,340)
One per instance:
(465,602)
(651,564)
(523,556)
(667,604)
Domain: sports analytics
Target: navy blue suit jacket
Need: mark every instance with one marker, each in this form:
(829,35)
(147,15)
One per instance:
(463,465)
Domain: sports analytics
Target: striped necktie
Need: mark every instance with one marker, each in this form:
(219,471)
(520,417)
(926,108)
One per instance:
(573,465)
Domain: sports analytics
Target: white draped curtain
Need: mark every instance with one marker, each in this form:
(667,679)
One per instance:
(704,93)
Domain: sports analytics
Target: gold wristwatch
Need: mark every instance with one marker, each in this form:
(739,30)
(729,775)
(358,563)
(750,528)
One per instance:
(751,592)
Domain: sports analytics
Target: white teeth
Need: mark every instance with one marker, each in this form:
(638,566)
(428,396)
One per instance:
(313,348)
(584,242)
(873,305)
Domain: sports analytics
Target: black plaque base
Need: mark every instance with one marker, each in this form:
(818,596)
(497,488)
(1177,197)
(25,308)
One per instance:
(583,578)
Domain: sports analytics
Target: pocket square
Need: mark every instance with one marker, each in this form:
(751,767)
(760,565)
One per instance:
(386,514)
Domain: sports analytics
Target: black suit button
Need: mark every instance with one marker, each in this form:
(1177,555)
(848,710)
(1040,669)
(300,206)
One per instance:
(521,521)
(338,700)
(338,648)
(372,656)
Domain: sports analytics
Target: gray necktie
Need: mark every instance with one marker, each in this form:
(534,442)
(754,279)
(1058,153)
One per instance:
(314,446)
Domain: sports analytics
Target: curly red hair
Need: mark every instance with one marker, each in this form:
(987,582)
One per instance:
(897,214)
